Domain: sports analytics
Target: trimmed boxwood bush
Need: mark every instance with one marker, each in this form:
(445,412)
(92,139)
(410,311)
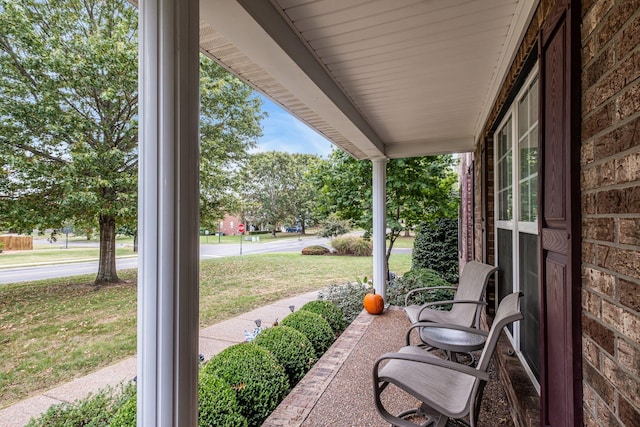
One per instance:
(292,348)
(259,381)
(217,403)
(313,326)
(330,312)
(436,248)
(418,278)
(217,406)
(348,298)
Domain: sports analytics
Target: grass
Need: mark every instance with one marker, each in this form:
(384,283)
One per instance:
(56,330)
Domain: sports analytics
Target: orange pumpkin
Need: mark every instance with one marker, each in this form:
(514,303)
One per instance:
(373,303)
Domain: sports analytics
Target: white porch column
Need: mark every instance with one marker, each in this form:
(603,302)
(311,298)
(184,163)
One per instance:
(168,213)
(380,226)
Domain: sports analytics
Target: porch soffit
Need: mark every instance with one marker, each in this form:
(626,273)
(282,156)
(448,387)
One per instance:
(378,78)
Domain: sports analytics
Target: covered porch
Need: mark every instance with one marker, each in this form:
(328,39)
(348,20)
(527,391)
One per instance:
(380,79)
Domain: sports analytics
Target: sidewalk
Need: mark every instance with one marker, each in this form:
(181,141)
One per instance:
(212,340)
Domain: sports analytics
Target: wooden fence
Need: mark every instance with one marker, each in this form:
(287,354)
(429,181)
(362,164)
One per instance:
(17,243)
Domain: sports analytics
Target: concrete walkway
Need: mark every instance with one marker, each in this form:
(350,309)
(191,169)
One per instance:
(212,340)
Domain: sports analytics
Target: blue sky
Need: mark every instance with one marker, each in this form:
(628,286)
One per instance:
(283,132)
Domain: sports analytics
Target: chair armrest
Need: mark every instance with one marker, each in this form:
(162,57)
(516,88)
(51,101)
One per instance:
(429,360)
(428,288)
(439,303)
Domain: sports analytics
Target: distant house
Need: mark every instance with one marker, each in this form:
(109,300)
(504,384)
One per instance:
(229,225)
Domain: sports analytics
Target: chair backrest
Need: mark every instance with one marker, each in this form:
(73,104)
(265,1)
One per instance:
(471,286)
(508,311)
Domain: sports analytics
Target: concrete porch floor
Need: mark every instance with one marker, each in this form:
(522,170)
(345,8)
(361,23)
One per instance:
(338,390)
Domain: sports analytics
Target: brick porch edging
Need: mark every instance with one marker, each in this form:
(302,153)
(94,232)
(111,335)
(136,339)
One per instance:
(295,408)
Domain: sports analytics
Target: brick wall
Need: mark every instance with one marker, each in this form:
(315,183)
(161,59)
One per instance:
(610,168)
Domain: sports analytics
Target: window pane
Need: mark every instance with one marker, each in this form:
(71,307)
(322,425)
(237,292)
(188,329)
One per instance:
(533,109)
(523,116)
(505,265)
(529,326)
(504,172)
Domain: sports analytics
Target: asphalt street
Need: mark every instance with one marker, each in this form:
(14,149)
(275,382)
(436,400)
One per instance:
(211,250)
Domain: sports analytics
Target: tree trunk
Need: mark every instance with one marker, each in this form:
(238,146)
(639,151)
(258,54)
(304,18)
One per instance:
(107,262)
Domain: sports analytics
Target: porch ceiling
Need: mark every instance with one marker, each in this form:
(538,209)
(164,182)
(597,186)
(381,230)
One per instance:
(378,78)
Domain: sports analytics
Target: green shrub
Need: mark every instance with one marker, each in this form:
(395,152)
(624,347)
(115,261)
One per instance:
(217,403)
(348,298)
(315,250)
(352,245)
(259,381)
(217,406)
(314,327)
(436,247)
(94,411)
(126,415)
(417,278)
(330,312)
(292,348)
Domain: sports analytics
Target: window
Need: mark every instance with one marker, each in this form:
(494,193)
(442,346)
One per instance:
(516,205)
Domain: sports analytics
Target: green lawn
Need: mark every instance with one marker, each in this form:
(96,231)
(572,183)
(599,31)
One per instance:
(55,330)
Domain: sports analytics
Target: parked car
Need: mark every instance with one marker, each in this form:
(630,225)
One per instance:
(293,229)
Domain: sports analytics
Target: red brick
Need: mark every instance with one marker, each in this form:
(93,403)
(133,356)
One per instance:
(629,231)
(599,282)
(587,153)
(628,168)
(588,203)
(590,178)
(620,139)
(623,261)
(629,294)
(600,384)
(606,416)
(588,253)
(602,336)
(632,199)
(629,39)
(594,16)
(606,173)
(598,229)
(603,63)
(625,383)
(616,19)
(598,121)
(628,356)
(591,303)
(628,414)
(611,201)
(628,103)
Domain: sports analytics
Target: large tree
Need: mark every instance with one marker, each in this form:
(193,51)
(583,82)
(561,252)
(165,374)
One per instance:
(419,189)
(68,119)
(276,188)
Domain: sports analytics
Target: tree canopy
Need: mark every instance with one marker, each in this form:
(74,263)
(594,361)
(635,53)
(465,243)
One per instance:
(277,188)
(419,189)
(68,120)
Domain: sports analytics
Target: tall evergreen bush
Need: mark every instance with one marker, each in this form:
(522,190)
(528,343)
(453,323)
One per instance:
(436,248)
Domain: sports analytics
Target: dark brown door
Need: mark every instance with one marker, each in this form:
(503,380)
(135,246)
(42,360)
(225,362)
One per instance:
(561,378)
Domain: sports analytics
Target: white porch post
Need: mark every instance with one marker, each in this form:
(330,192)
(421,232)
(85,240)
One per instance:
(168,213)
(380,226)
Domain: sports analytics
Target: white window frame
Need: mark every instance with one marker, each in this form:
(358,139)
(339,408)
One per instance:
(515,225)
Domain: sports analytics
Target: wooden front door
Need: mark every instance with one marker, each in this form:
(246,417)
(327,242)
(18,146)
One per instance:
(559,223)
